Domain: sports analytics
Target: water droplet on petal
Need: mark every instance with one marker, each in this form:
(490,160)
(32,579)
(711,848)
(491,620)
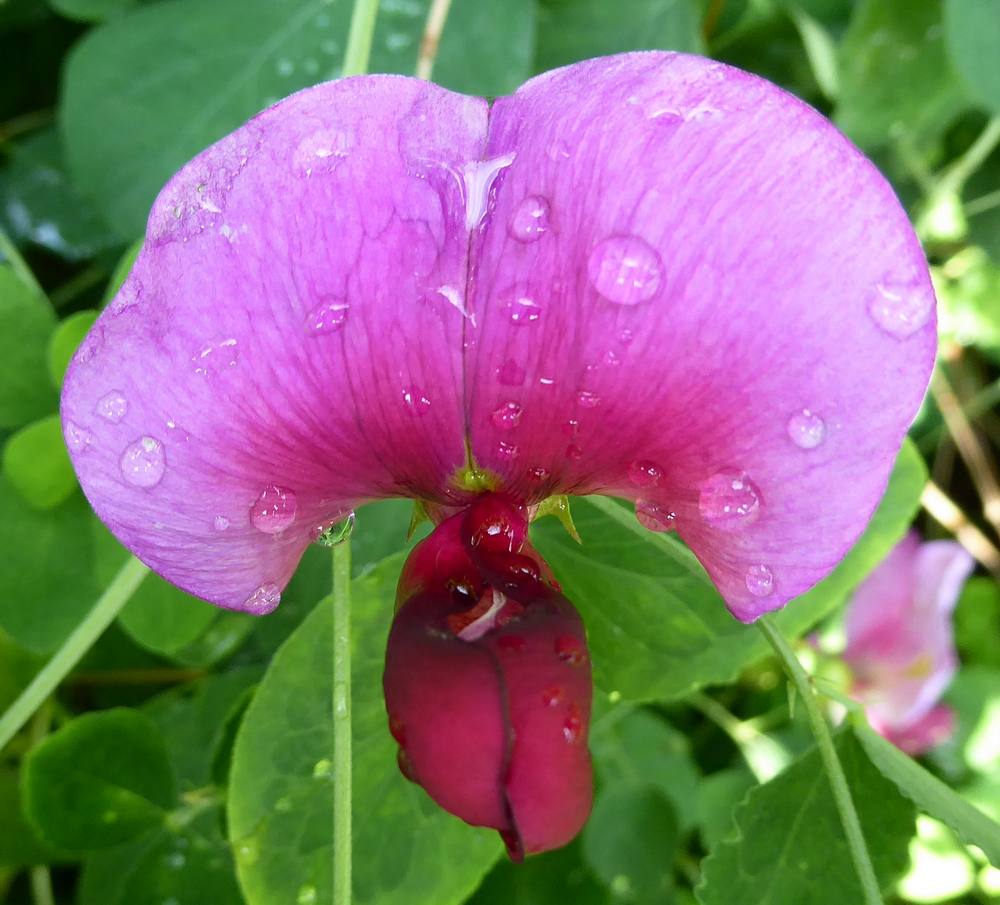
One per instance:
(574,452)
(507,417)
(570,650)
(216,358)
(625,269)
(806,429)
(626,337)
(654,517)
(415,400)
(900,311)
(588,400)
(327,317)
(221,523)
(729,500)
(510,373)
(479,177)
(523,309)
(77,438)
(143,462)
(112,406)
(573,726)
(507,450)
(264,600)
(274,510)
(538,473)
(530,219)
(334,533)
(644,473)
(759,580)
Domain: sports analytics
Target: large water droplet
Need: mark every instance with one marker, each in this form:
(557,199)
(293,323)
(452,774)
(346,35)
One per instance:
(644,473)
(523,309)
(530,219)
(274,510)
(900,310)
(507,417)
(112,406)
(216,358)
(729,500)
(327,317)
(510,373)
(654,517)
(759,580)
(478,178)
(333,533)
(806,429)
(143,462)
(625,269)
(415,401)
(264,600)
(77,438)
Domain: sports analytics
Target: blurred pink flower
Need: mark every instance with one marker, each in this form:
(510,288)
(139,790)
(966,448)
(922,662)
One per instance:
(900,645)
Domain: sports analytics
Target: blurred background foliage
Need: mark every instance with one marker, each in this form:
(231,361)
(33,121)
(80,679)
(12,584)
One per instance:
(183,761)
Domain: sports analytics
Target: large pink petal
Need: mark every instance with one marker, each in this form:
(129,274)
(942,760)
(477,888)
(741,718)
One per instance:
(281,349)
(690,289)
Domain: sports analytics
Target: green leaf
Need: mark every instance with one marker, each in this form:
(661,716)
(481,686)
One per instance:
(789,846)
(147,91)
(90,10)
(175,865)
(19,845)
(656,625)
(553,878)
(504,37)
(571,30)
(975,695)
(406,850)
(631,839)
(931,795)
(39,204)
(977,622)
(193,721)
(641,746)
(972,35)
(64,341)
(101,780)
(894,70)
(37,465)
(26,322)
(46,569)
(718,795)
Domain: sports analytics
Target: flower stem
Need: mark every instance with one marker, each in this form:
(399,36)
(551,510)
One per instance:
(108,605)
(342,829)
(359,38)
(436,17)
(831,763)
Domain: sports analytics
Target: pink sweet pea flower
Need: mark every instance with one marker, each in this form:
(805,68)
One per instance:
(900,645)
(649,275)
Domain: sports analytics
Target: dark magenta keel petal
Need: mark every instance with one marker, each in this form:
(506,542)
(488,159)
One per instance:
(489,699)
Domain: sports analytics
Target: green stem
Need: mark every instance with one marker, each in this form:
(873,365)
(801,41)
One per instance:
(13,257)
(342,829)
(359,38)
(831,763)
(41,886)
(959,172)
(108,605)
